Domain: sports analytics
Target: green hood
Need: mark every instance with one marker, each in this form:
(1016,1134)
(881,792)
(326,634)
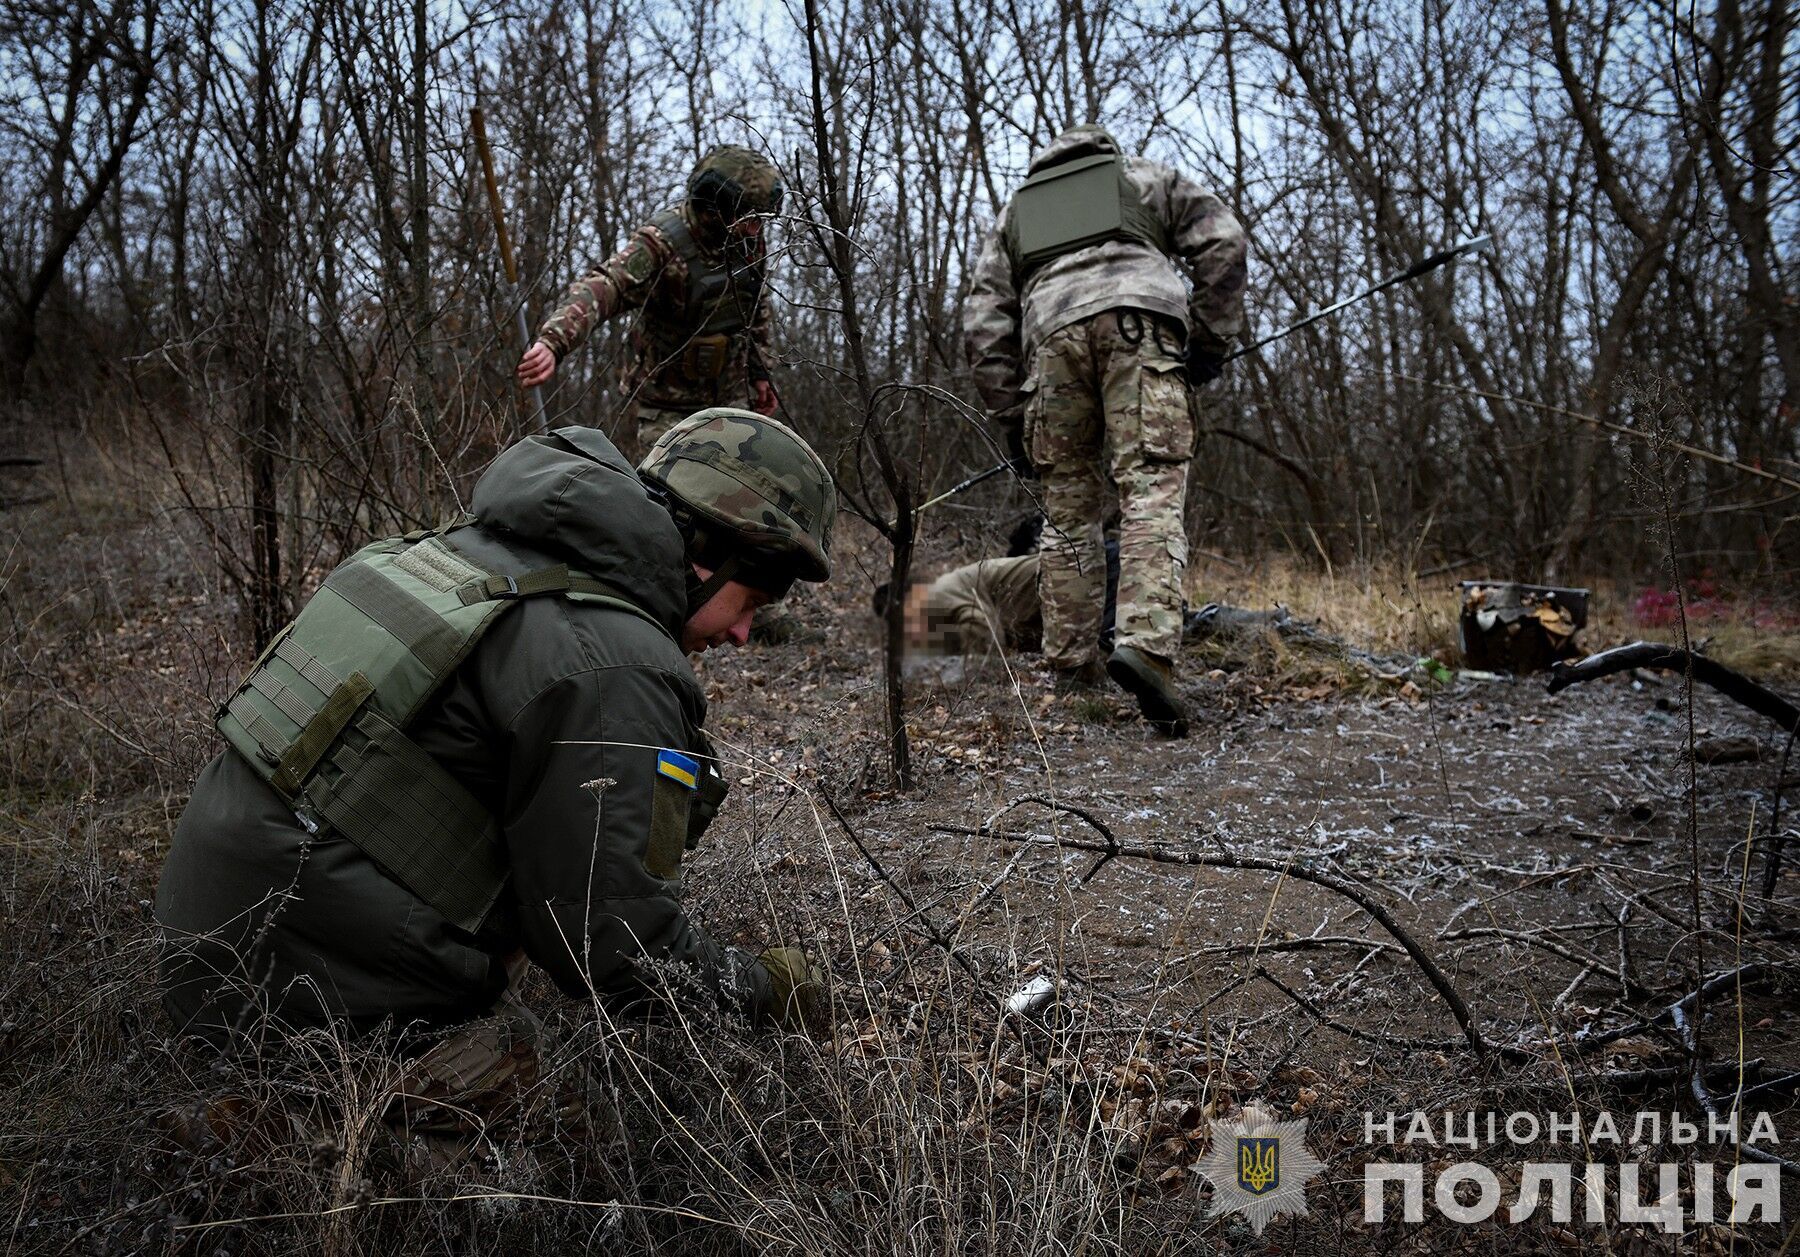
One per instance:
(571,494)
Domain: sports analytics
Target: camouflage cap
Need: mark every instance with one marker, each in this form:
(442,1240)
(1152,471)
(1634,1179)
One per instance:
(732,181)
(755,479)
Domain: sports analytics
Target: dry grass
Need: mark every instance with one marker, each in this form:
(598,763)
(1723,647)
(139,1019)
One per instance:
(922,1121)
(1766,654)
(1388,610)
(1384,611)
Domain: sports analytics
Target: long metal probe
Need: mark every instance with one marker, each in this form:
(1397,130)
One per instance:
(1480,244)
(520,326)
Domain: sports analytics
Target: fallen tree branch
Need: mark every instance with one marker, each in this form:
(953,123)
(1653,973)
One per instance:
(1689,1030)
(1733,684)
(1113,848)
(954,929)
(1366,1036)
(1787,1084)
(1695,1070)
(914,911)
(1550,945)
(1712,986)
(1312,942)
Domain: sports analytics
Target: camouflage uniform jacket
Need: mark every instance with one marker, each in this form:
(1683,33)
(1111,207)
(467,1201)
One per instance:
(649,274)
(1002,325)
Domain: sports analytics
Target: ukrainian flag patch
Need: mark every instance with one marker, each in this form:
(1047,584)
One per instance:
(678,767)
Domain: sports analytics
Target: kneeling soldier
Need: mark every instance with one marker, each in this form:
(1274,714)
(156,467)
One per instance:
(486,739)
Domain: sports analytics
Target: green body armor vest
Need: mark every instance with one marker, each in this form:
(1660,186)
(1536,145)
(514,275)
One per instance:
(323,715)
(1073,205)
(721,301)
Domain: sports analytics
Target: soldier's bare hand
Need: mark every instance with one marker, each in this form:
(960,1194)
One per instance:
(537,365)
(765,400)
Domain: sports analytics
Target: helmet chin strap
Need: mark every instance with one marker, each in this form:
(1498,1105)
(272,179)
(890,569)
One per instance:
(700,592)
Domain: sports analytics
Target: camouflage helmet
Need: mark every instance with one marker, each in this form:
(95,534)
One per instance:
(745,490)
(732,181)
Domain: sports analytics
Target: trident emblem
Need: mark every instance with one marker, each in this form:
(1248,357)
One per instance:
(1259,1164)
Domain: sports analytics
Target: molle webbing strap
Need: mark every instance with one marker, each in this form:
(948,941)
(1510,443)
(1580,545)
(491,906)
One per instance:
(384,793)
(594,591)
(547,580)
(300,660)
(298,761)
(422,630)
(291,704)
(269,741)
(554,580)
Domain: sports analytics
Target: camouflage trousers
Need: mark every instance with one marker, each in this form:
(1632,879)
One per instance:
(1108,400)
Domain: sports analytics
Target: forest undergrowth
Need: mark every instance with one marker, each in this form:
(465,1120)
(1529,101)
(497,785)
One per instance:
(1537,850)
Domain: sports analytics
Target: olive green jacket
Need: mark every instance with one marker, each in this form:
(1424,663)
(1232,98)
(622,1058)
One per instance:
(554,722)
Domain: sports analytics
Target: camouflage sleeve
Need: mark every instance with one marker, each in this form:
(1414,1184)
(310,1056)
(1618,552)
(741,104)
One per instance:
(622,282)
(1207,237)
(991,329)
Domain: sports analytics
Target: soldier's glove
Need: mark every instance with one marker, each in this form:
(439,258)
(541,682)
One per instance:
(1017,454)
(1202,365)
(798,994)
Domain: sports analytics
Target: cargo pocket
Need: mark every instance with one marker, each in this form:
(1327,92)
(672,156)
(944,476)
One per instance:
(1060,411)
(1030,400)
(1165,422)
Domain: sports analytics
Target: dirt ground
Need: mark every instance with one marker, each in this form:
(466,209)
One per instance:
(1566,861)
(1539,847)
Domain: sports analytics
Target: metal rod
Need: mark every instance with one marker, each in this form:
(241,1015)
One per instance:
(520,326)
(970,483)
(1480,244)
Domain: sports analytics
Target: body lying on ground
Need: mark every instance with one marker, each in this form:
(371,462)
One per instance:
(974,608)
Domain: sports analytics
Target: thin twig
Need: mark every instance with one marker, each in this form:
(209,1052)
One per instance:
(1433,974)
(930,929)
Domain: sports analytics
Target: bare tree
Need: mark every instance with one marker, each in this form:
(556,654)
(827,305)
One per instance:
(80,80)
(307,295)
(840,151)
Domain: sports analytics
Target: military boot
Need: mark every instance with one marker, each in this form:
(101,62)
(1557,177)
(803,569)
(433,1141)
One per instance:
(1151,681)
(1081,679)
